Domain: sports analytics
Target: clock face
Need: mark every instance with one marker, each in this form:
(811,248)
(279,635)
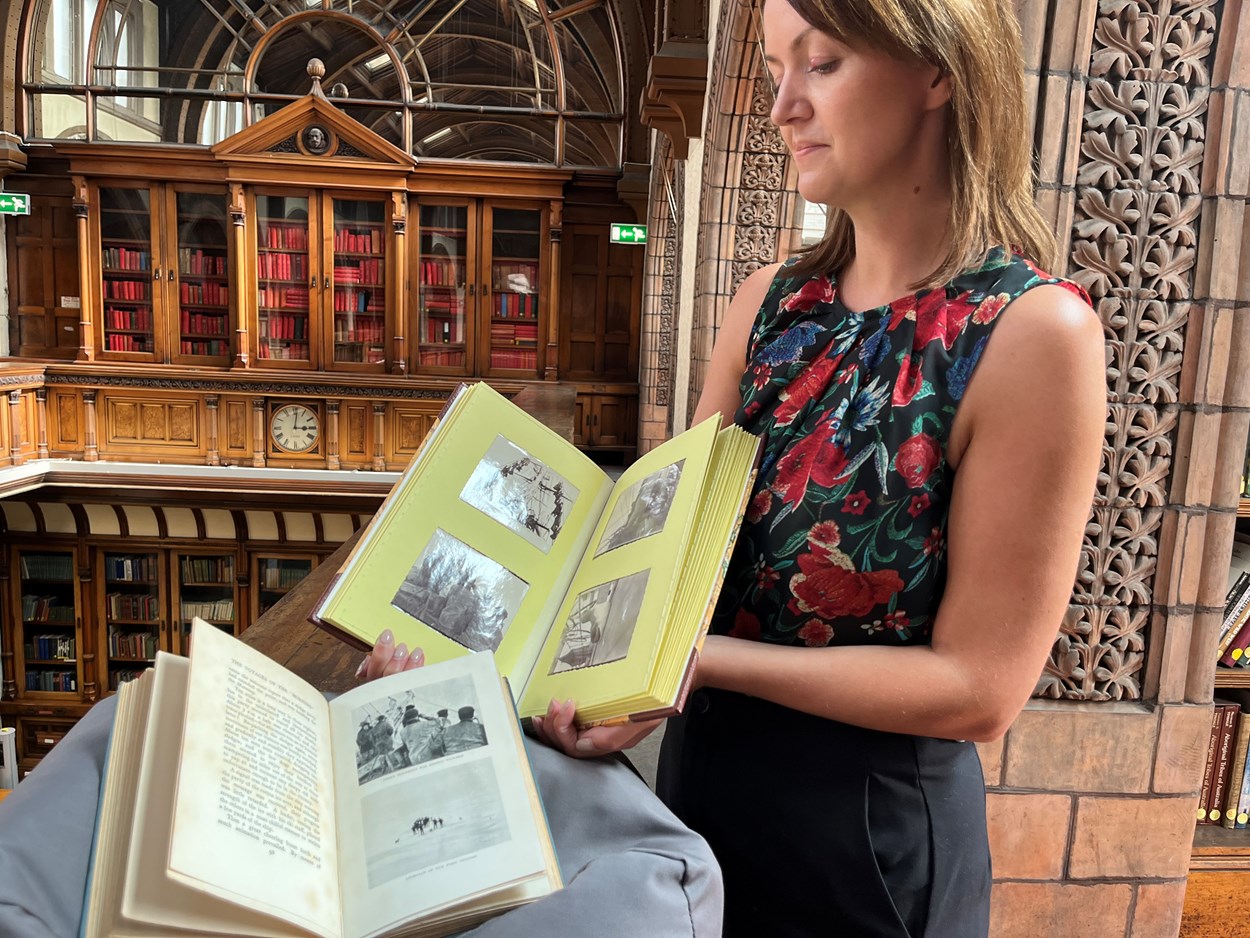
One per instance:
(294,428)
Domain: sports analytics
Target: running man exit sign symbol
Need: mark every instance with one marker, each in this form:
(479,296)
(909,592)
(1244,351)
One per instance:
(14,203)
(629,234)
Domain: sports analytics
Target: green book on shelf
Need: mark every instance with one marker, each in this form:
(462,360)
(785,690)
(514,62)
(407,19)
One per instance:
(501,535)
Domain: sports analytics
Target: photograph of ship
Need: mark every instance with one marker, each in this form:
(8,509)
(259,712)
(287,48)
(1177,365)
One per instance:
(520,492)
(601,624)
(461,593)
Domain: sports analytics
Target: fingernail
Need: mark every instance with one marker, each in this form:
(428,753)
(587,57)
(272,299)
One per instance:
(362,667)
(401,651)
(387,637)
(585,745)
(569,703)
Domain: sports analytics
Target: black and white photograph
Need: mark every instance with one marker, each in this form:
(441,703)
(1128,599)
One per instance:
(398,732)
(641,509)
(461,593)
(522,493)
(434,818)
(601,624)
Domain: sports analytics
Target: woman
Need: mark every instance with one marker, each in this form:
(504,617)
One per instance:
(910,548)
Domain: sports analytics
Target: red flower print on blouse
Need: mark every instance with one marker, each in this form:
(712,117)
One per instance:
(847,373)
(918,504)
(816,290)
(816,633)
(909,381)
(820,460)
(824,537)
(896,621)
(752,409)
(935,316)
(766,576)
(916,459)
(760,505)
(746,625)
(989,308)
(829,591)
(856,502)
(933,543)
(807,387)
(760,375)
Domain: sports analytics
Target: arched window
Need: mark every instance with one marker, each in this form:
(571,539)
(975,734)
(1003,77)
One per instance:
(536,81)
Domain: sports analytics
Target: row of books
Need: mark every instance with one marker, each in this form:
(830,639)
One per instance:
(516,305)
(128,343)
(362,330)
(360,352)
(118,678)
(138,606)
(441,357)
(353,299)
(138,319)
(208,347)
(220,609)
(1225,793)
(284,326)
(126,259)
(289,237)
(48,647)
(1233,649)
(520,334)
(128,568)
(48,566)
(358,242)
(199,261)
(275,576)
(509,358)
(212,292)
(283,297)
(59,682)
(204,323)
(46,609)
(446,331)
(366,271)
(206,570)
(125,289)
(283,351)
(282,266)
(132,644)
(441,273)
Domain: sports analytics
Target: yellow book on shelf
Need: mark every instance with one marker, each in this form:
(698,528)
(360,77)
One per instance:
(500,535)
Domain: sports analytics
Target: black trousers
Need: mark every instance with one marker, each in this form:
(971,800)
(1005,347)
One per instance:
(827,829)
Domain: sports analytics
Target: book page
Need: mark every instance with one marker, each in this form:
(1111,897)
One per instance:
(433,806)
(479,542)
(254,810)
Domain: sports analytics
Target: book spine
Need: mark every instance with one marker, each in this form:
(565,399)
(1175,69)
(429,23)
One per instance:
(1228,629)
(1204,795)
(1236,772)
(1237,590)
(1237,648)
(1223,757)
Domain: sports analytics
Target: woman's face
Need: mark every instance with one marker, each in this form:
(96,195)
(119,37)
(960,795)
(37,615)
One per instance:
(855,119)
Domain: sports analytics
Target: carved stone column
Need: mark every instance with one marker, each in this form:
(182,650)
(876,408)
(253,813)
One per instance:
(258,432)
(86,302)
(242,275)
(41,411)
(332,434)
(15,428)
(212,457)
(399,291)
(90,452)
(379,436)
(551,369)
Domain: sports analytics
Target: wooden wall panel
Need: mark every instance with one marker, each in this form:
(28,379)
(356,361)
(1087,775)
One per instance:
(234,428)
(409,423)
(355,422)
(133,424)
(65,425)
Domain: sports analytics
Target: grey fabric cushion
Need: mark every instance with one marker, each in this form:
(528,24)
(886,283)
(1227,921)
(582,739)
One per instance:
(631,867)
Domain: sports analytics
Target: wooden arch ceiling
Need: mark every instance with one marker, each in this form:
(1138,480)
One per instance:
(465,55)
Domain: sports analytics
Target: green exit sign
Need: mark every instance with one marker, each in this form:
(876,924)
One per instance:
(629,234)
(14,203)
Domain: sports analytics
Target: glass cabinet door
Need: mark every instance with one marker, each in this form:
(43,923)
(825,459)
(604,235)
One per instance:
(442,339)
(276,574)
(359,281)
(49,621)
(203,287)
(127,271)
(516,244)
(283,279)
(205,588)
(133,614)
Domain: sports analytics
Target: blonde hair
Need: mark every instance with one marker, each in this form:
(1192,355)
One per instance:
(976,43)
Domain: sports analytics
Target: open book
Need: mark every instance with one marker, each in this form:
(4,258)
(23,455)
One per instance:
(500,535)
(236,801)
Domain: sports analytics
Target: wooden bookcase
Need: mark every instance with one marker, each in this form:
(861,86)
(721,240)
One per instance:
(133,613)
(204,585)
(274,574)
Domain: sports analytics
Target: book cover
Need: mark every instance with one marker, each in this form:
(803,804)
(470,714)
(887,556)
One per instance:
(1223,756)
(238,801)
(501,535)
(1236,772)
(1204,794)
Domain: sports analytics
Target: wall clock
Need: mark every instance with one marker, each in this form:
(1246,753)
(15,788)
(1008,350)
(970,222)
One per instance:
(294,428)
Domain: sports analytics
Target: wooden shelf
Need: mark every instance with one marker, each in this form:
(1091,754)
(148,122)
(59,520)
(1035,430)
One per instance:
(51,662)
(1232,677)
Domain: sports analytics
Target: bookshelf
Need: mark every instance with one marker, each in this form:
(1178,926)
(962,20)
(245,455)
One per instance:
(443,333)
(515,293)
(359,276)
(275,575)
(204,586)
(283,281)
(47,607)
(203,284)
(132,613)
(129,276)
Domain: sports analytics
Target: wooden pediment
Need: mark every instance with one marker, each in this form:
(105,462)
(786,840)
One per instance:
(313,130)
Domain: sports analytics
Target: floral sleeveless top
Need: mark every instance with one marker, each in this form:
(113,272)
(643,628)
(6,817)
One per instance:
(844,540)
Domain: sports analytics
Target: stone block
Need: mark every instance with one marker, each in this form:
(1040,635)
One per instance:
(1182,749)
(1028,834)
(992,761)
(1081,747)
(1157,912)
(1229,464)
(1131,838)
(1032,910)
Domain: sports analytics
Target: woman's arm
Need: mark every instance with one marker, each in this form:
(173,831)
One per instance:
(1034,416)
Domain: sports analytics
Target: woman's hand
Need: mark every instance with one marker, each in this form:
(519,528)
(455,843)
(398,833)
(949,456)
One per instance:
(556,729)
(386,658)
